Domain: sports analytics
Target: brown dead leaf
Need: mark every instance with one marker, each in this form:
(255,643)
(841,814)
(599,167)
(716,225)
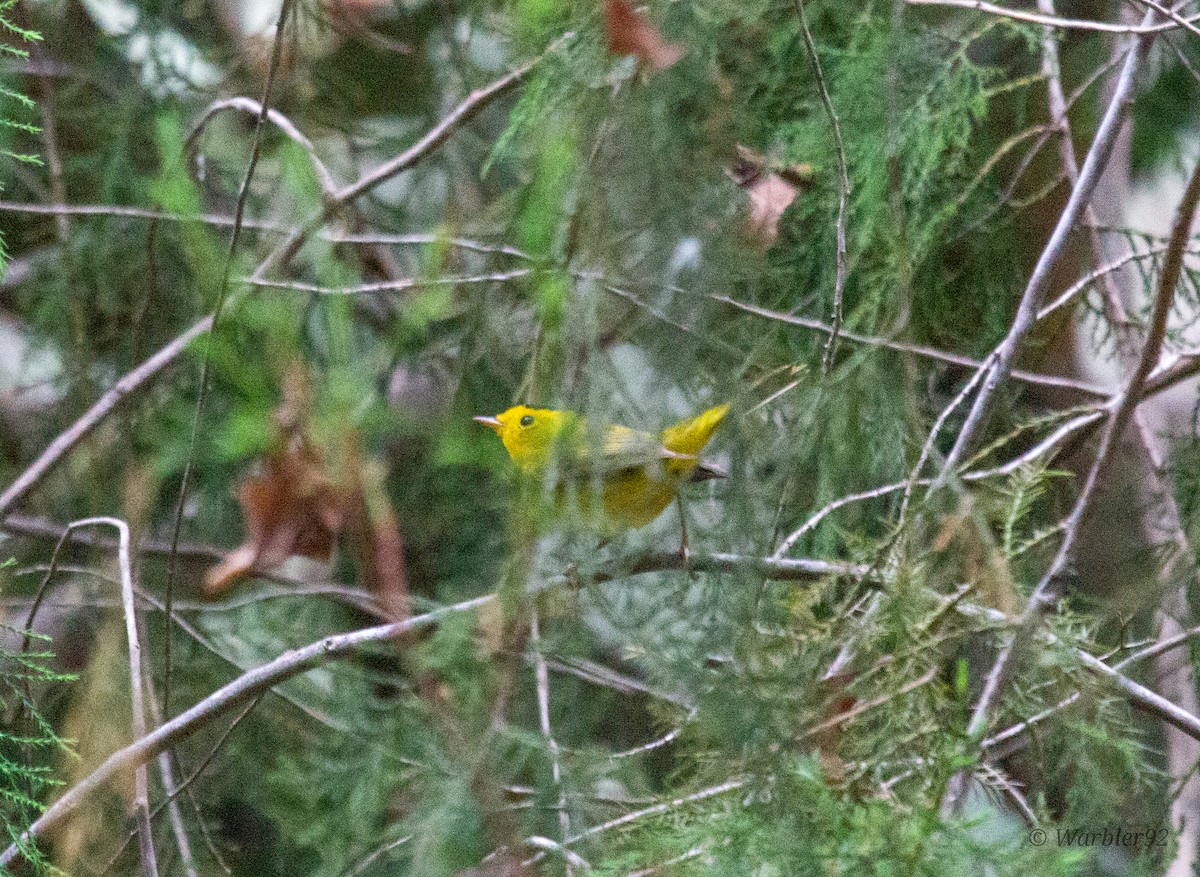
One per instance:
(291,509)
(308,495)
(829,735)
(375,532)
(770,196)
(771,191)
(627,32)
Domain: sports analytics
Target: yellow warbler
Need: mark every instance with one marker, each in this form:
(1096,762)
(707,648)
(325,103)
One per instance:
(637,473)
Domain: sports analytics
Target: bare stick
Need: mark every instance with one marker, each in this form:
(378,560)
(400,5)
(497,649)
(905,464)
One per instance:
(104,406)
(1139,695)
(1077,428)
(915,349)
(239,214)
(927,448)
(1145,28)
(664,807)
(141,785)
(441,132)
(367,860)
(249,105)
(185,785)
(542,677)
(1185,23)
(389,285)
(166,771)
(1069,294)
(1182,750)
(839,285)
(1144,697)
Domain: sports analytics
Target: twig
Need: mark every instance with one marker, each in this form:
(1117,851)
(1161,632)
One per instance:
(134,213)
(1052,21)
(104,406)
(1185,23)
(1014,795)
(282,122)
(141,786)
(927,448)
(839,285)
(186,784)
(239,214)
(664,807)
(1182,751)
(440,133)
(1144,697)
(1077,427)
(915,349)
(166,771)
(543,700)
(389,285)
(571,859)
(693,853)
(1069,294)
(867,705)
(602,675)
(369,859)
(995,744)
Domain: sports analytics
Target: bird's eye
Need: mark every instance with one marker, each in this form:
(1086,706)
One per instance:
(527,420)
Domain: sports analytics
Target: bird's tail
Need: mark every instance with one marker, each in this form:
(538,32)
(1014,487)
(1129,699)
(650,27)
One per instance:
(689,437)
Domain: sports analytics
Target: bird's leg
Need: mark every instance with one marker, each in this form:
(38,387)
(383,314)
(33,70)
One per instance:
(684,553)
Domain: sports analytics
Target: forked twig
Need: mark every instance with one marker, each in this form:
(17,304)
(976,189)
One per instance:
(1039,281)
(1045,592)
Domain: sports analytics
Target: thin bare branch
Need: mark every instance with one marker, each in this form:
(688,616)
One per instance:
(390,285)
(1052,21)
(282,122)
(186,783)
(1062,383)
(542,676)
(839,284)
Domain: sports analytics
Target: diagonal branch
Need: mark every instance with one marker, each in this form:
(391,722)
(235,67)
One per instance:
(1182,750)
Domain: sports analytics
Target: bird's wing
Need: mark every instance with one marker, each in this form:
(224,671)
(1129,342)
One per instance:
(620,447)
(630,447)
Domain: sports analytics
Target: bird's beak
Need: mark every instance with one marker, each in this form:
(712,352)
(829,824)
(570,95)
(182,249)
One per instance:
(493,422)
